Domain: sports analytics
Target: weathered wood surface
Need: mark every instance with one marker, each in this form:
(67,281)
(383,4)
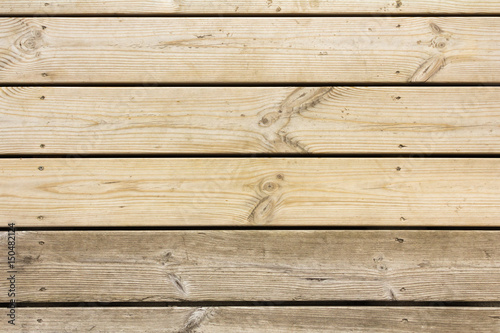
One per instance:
(41,7)
(258,319)
(258,50)
(246,191)
(71,120)
(252,265)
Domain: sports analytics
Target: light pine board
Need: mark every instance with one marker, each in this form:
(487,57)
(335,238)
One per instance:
(255,266)
(70,120)
(249,191)
(257,319)
(250,50)
(49,7)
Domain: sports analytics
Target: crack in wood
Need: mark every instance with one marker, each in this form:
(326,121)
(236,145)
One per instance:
(178,284)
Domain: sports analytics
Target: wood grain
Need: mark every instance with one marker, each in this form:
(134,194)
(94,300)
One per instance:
(258,319)
(246,191)
(115,7)
(71,120)
(255,266)
(250,50)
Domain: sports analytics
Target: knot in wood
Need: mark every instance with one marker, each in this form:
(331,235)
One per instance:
(30,42)
(270,187)
(263,211)
(269,119)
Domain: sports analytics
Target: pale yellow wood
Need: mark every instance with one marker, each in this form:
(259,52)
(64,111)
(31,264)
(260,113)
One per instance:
(255,266)
(246,50)
(268,319)
(29,7)
(69,120)
(247,191)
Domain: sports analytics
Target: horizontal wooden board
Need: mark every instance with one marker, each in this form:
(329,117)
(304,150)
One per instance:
(248,191)
(255,266)
(246,50)
(71,120)
(257,319)
(44,7)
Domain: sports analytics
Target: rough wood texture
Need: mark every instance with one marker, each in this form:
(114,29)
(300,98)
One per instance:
(258,319)
(231,50)
(41,7)
(55,120)
(243,191)
(251,265)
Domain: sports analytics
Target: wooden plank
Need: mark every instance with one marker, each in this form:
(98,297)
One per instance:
(257,319)
(255,266)
(246,50)
(116,7)
(71,120)
(242,191)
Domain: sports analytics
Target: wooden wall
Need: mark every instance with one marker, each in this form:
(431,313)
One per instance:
(250,166)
